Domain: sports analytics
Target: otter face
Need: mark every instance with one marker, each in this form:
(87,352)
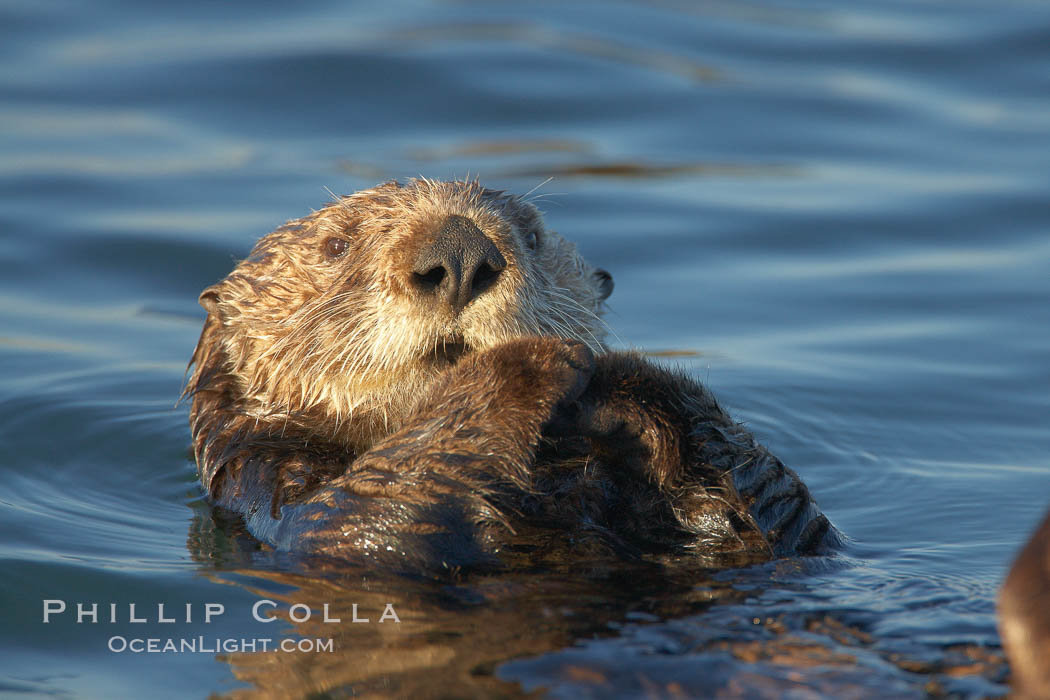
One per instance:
(340,319)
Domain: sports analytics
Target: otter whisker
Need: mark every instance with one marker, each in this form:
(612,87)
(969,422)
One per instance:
(526,195)
(585,310)
(596,347)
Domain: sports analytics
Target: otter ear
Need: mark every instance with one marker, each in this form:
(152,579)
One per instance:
(605,283)
(209,299)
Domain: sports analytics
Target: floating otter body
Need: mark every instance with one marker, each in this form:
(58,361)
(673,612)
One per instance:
(415,377)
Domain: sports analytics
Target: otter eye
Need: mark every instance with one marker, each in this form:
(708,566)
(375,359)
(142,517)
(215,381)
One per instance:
(531,240)
(335,247)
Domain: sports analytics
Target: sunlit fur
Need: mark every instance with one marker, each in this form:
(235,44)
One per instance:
(344,347)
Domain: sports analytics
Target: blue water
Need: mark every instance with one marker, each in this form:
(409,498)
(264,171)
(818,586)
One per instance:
(835,214)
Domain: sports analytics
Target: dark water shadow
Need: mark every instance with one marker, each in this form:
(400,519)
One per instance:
(593,167)
(627,170)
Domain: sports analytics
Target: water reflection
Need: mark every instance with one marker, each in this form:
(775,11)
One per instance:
(596,628)
(451,636)
(550,37)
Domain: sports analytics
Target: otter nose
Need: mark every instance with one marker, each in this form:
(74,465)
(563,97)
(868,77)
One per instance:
(459,265)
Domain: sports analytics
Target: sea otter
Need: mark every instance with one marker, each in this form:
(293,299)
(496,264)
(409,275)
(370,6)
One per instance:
(1024,616)
(415,377)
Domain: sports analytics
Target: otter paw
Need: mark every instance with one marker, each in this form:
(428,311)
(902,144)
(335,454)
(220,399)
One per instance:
(599,418)
(610,422)
(548,368)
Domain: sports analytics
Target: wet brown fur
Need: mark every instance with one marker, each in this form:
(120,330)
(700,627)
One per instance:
(1024,616)
(342,415)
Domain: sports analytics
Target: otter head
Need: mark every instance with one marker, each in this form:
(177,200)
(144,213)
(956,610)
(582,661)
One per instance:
(338,321)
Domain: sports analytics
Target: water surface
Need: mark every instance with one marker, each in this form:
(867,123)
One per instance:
(834,214)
